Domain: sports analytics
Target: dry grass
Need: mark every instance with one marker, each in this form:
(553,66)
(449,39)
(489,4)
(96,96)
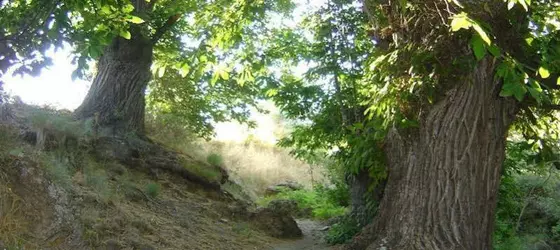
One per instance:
(255,166)
(12,220)
(12,223)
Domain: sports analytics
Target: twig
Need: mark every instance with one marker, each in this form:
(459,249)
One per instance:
(165,27)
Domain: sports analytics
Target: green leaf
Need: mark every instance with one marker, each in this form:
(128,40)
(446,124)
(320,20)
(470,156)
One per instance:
(135,19)
(535,90)
(184,70)
(478,47)
(106,10)
(544,72)
(529,40)
(215,79)
(460,21)
(94,51)
(514,89)
(558,81)
(272,92)
(495,50)
(125,34)
(224,75)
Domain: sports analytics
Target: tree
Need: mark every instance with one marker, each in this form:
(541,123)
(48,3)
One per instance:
(127,37)
(116,98)
(462,71)
(336,50)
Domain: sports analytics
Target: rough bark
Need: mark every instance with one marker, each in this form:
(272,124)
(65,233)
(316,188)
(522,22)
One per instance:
(359,197)
(116,98)
(443,179)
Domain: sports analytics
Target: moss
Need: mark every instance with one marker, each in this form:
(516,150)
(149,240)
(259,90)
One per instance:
(210,173)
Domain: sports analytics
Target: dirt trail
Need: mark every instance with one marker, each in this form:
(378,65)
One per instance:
(313,237)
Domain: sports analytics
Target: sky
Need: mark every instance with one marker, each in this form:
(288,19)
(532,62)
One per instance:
(55,88)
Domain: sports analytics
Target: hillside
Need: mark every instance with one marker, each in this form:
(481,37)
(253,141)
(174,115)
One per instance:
(56,192)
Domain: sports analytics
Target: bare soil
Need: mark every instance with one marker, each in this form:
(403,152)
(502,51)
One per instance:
(313,237)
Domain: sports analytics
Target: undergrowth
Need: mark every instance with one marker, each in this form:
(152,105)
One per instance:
(316,203)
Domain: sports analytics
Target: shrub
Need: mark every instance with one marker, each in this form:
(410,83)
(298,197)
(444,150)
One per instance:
(343,231)
(215,159)
(311,203)
(153,189)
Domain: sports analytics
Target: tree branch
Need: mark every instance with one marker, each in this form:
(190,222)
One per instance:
(165,27)
(547,107)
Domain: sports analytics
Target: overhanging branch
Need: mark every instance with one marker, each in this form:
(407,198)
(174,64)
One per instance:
(165,27)
(543,106)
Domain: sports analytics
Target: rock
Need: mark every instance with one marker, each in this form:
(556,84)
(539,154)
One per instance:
(287,185)
(276,223)
(324,228)
(285,207)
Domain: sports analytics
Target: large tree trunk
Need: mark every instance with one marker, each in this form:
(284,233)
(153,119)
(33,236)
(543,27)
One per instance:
(116,98)
(443,179)
(361,195)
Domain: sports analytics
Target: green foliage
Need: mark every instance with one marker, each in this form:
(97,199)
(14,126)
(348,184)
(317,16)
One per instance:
(58,123)
(57,171)
(320,203)
(96,177)
(152,189)
(527,215)
(215,159)
(343,231)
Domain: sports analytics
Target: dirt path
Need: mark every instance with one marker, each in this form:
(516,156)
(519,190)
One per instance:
(312,237)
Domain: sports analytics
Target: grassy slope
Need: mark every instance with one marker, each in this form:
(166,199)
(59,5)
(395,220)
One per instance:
(64,199)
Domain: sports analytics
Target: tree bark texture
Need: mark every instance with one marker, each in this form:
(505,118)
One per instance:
(116,97)
(359,186)
(443,179)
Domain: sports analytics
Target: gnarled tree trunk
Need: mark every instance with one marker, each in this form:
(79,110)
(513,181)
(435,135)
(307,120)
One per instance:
(443,180)
(116,98)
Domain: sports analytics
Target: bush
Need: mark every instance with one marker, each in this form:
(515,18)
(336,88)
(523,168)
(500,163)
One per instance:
(215,159)
(343,231)
(153,189)
(311,203)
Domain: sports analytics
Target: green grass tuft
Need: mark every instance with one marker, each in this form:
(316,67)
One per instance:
(215,159)
(152,189)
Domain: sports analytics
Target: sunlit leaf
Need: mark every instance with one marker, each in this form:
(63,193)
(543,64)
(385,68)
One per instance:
(544,72)
(495,50)
(460,21)
(524,4)
(511,3)
(482,33)
(135,19)
(161,71)
(125,34)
